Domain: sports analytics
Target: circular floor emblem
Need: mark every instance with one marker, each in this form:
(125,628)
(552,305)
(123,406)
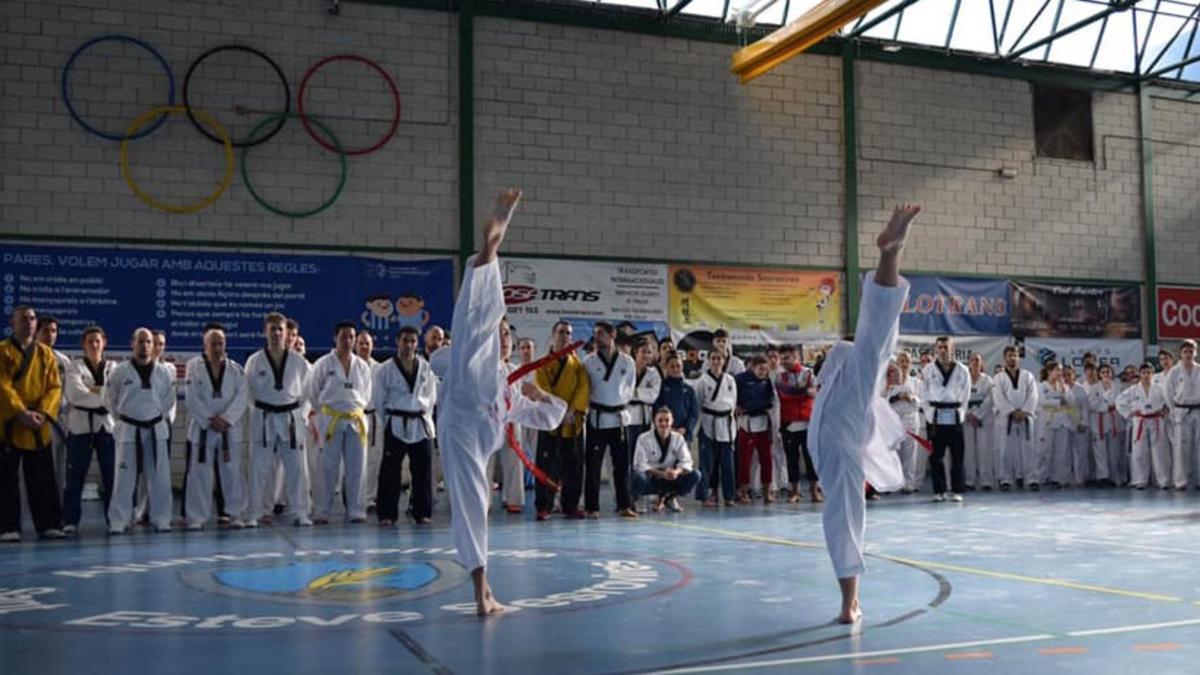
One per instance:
(316,589)
(338,581)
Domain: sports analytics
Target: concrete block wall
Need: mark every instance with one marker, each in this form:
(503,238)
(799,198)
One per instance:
(642,146)
(1176,141)
(57,179)
(939,138)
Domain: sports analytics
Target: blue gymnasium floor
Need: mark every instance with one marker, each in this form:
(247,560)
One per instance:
(1063,582)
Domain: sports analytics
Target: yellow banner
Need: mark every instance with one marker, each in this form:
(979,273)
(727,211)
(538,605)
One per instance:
(756,305)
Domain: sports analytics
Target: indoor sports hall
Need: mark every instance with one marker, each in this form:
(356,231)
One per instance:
(600,336)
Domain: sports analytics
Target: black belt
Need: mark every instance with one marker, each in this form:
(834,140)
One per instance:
(152,425)
(594,407)
(1188,406)
(945,405)
(204,446)
(92,412)
(407,415)
(720,414)
(606,408)
(1010,425)
(974,404)
(371,424)
(271,409)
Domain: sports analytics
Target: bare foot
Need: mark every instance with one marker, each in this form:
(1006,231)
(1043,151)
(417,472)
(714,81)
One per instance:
(893,235)
(486,605)
(851,615)
(502,213)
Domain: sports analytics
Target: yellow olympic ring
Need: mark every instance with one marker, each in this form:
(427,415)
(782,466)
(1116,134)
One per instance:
(204,117)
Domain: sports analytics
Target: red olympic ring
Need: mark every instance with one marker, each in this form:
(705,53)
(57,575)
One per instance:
(313,132)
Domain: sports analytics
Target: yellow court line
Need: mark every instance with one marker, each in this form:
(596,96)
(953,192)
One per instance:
(927,564)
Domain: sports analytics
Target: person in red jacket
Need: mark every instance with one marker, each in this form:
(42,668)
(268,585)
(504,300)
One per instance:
(796,388)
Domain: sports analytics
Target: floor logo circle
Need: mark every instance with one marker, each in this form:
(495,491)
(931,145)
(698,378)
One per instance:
(318,589)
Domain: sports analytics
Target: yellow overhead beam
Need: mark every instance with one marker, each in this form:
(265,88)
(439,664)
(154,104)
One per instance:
(805,31)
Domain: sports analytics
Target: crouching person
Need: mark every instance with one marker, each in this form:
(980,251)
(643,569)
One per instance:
(662,463)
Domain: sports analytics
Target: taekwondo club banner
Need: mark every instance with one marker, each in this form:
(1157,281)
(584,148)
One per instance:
(1178,313)
(756,306)
(956,306)
(1078,311)
(1070,351)
(990,347)
(180,291)
(540,291)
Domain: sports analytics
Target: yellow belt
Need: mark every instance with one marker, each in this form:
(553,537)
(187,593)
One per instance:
(354,416)
(1071,411)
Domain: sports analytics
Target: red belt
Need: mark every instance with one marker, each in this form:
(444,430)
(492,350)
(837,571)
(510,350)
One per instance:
(1100,418)
(1142,423)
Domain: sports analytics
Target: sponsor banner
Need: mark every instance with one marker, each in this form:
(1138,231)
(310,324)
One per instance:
(539,292)
(1066,311)
(956,306)
(991,347)
(1070,351)
(180,291)
(1178,312)
(756,306)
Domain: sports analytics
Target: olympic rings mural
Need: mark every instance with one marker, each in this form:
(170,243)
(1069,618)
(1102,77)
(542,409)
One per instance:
(266,129)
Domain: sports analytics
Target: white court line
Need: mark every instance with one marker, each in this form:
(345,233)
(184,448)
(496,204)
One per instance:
(854,655)
(1132,629)
(927,648)
(1054,537)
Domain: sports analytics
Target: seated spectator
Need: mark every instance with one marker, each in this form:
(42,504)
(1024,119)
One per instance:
(662,464)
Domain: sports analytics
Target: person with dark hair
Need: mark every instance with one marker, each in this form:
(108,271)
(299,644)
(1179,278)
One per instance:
(339,389)
(1053,431)
(216,396)
(613,379)
(1182,386)
(980,457)
(89,425)
(1145,406)
(662,463)
(1015,396)
(755,399)
(720,342)
(560,450)
(404,392)
(1108,430)
(275,380)
(679,396)
(716,391)
(797,389)
(30,397)
(947,386)
(47,334)
(647,385)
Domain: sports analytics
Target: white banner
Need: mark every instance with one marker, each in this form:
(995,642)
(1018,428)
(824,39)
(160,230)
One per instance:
(991,347)
(539,292)
(1070,351)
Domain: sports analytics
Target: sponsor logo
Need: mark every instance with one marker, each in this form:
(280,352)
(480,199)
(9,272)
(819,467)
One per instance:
(306,590)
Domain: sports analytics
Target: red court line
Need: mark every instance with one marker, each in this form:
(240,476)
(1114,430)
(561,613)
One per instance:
(1157,647)
(1055,651)
(969,656)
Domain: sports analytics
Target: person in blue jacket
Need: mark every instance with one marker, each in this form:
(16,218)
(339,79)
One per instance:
(680,397)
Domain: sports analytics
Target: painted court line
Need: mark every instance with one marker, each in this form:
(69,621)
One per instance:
(1169,646)
(1068,538)
(857,655)
(1059,583)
